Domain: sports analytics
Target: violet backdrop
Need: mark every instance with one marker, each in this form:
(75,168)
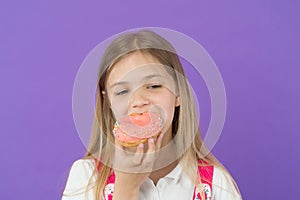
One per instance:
(255,45)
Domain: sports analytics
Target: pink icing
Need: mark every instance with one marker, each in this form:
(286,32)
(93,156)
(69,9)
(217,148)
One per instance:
(131,129)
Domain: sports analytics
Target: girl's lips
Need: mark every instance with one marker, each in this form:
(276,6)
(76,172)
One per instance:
(141,119)
(137,113)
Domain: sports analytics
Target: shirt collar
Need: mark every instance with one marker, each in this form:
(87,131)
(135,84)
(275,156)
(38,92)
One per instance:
(176,173)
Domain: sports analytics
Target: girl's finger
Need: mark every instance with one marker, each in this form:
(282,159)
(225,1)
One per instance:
(151,145)
(159,141)
(137,159)
(151,151)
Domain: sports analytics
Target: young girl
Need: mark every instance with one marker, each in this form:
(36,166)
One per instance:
(141,72)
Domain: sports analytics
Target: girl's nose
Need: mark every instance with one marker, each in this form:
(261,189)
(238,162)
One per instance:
(139,99)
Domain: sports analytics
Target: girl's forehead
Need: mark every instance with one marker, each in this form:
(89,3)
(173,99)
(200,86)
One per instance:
(135,66)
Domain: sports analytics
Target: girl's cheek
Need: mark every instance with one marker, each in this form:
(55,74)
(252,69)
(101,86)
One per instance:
(119,109)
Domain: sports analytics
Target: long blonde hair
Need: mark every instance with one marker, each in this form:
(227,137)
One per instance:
(185,129)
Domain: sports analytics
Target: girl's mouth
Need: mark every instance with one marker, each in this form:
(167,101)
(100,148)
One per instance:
(140,113)
(141,119)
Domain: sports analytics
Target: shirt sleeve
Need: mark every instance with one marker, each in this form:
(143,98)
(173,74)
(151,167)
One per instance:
(79,176)
(223,188)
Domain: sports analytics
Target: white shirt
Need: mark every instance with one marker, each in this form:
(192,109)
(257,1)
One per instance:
(175,185)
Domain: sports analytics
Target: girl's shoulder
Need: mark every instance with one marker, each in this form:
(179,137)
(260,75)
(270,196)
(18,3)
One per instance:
(85,165)
(223,185)
(82,167)
(84,162)
(79,176)
(220,181)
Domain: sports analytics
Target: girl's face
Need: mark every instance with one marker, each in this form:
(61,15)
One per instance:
(139,83)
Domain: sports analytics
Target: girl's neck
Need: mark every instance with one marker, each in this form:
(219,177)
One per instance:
(156,175)
(167,157)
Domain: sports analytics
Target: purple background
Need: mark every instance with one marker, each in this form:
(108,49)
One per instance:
(255,44)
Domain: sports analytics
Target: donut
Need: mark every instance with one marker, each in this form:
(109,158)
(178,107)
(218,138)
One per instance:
(137,128)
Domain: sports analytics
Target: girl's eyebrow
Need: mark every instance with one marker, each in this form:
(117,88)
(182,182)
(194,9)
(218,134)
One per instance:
(152,76)
(126,82)
(119,83)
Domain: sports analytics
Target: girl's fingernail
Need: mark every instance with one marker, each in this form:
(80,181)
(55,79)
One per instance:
(151,140)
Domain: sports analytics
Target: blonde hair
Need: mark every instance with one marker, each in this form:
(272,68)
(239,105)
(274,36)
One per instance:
(185,129)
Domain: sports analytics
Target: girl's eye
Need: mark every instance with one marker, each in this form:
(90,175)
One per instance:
(121,92)
(154,86)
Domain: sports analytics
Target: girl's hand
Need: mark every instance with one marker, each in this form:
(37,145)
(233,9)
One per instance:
(133,167)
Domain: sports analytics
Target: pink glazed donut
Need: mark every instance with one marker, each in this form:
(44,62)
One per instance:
(137,128)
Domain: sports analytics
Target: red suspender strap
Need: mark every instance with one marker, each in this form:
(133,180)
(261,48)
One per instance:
(206,174)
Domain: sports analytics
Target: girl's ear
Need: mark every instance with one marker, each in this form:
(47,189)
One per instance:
(104,97)
(177,101)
